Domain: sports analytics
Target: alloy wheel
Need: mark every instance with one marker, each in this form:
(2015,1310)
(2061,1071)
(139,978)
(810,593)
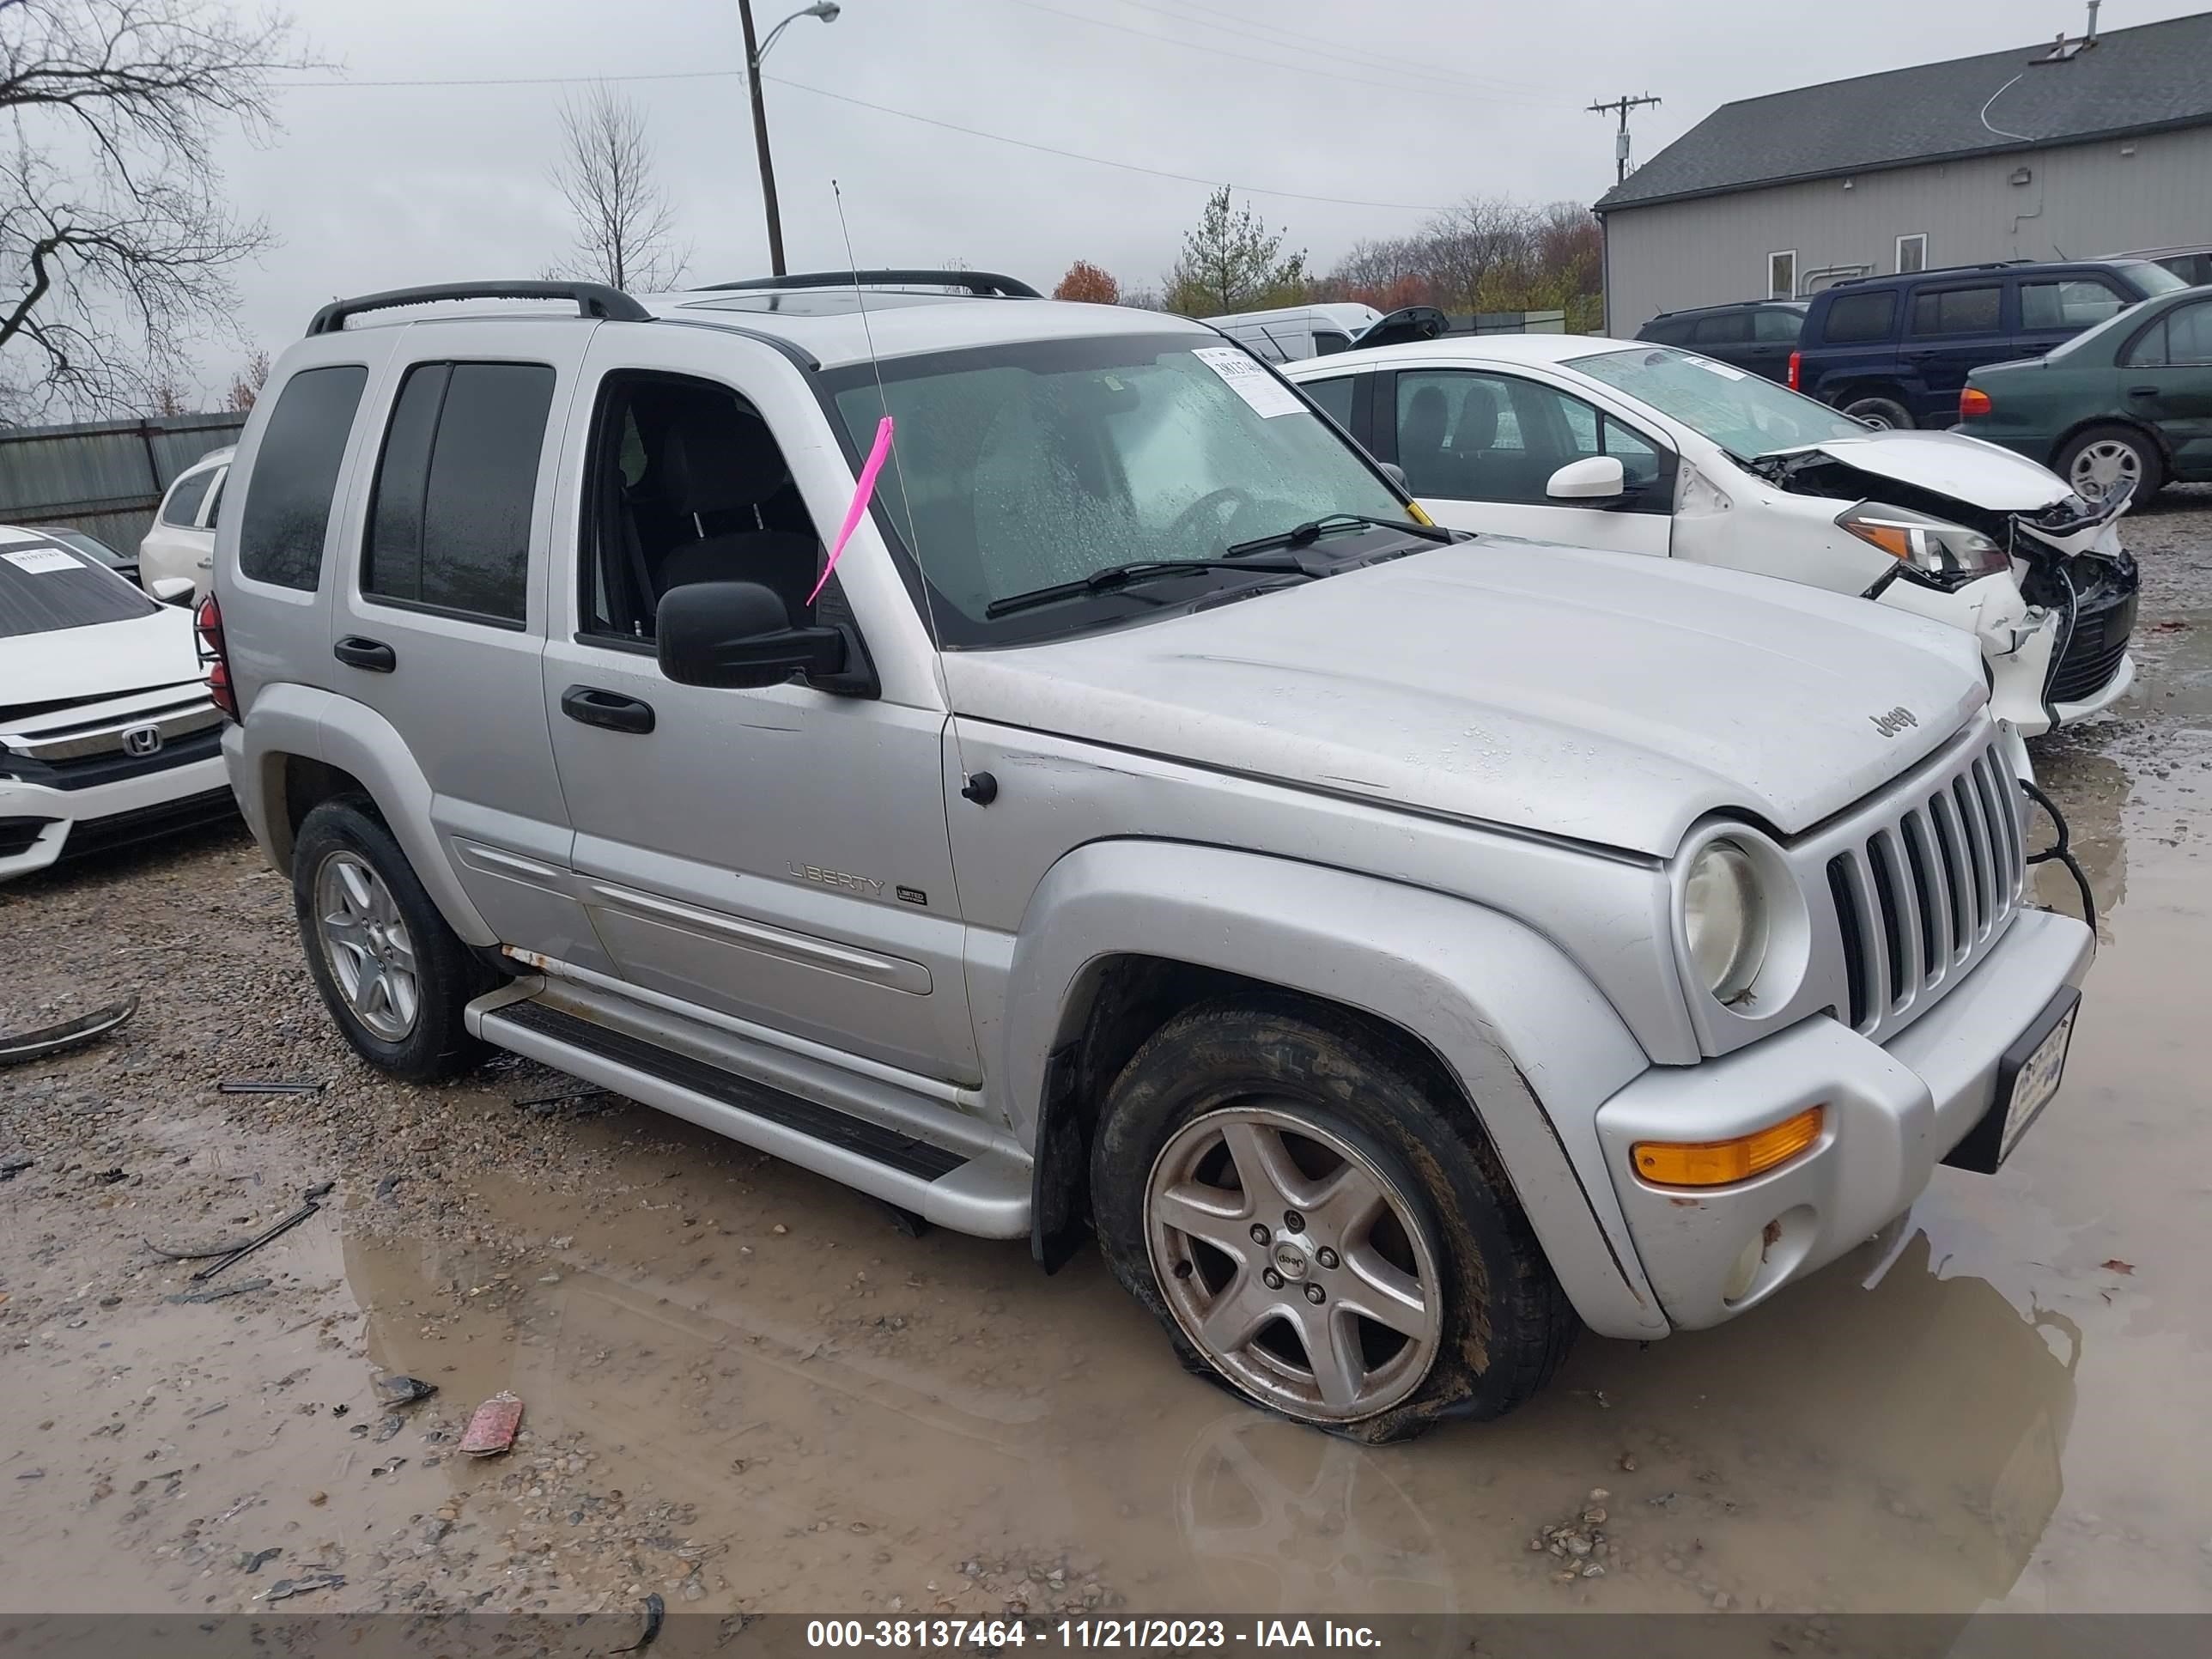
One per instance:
(2102,467)
(366,943)
(1296,1266)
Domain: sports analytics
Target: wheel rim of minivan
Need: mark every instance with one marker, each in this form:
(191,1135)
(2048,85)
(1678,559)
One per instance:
(366,943)
(1293,1263)
(2102,467)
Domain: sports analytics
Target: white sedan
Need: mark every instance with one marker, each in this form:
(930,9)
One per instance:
(1641,449)
(106,733)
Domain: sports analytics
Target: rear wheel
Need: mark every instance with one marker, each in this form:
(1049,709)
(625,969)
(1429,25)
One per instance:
(395,978)
(2098,460)
(1314,1219)
(1878,409)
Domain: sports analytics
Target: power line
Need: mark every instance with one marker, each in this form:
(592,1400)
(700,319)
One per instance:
(1296,41)
(1398,86)
(880,109)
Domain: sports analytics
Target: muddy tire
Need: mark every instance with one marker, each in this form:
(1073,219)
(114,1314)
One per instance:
(395,978)
(2096,458)
(1880,408)
(1398,1282)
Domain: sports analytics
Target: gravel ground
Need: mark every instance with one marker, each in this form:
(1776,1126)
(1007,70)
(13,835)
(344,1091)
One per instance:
(745,1390)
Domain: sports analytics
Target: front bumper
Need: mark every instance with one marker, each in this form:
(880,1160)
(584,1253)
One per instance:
(39,824)
(1892,1113)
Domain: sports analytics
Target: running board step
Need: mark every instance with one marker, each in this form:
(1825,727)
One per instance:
(986,1194)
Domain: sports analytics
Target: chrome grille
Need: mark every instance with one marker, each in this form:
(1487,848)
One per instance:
(1919,897)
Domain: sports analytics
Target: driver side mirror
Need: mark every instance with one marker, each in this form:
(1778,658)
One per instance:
(1594,478)
(173,590)
(1396,474)
(738,634)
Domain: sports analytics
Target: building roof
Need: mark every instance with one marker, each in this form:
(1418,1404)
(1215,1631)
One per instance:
(2133,79)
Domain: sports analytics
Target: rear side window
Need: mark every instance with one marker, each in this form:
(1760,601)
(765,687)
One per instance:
(1729,328)
(183,506)
(1957,311)
(288,498)
(449,526)
(1853,318)
(1777,325)
(2075,303)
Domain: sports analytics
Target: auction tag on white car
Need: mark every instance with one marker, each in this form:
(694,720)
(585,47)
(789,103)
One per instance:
(1267,396)
(39,559)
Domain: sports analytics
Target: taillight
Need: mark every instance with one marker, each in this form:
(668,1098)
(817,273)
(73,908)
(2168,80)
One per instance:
(207,625)
(1797,362)
(1973,401)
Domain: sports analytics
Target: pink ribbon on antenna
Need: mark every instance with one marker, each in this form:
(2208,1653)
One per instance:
(863,492)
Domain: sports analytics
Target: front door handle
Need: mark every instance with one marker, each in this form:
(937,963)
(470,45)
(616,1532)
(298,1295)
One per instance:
(611,709)
(2142,391)
(374,655)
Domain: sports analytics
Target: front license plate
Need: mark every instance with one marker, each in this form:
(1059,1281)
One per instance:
(2026,1080)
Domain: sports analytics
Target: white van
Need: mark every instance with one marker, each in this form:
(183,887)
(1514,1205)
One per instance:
(1289,334)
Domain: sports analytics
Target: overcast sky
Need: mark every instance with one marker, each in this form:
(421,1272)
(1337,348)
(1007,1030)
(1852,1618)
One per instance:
(1413,103)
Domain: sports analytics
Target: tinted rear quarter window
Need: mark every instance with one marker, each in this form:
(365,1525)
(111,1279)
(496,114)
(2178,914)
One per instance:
(1957,310)
(1854,318)
(183,506)
(288,498)
(449,527)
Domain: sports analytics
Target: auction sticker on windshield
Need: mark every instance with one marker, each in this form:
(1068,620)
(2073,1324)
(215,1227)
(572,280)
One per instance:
(1267,396)
(37,560)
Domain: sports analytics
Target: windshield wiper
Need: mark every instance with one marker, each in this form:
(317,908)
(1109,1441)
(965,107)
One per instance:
(1313,529)
(1140,570)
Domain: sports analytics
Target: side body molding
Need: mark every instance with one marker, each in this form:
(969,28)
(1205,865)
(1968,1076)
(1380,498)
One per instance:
(1532,1042)
(290,718)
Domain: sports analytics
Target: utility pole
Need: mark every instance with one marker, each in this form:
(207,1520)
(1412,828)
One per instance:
(760,140)
(1620,105)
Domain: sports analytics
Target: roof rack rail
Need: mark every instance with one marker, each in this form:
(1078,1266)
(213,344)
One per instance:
(591,300)
(1940,271)
(984,284)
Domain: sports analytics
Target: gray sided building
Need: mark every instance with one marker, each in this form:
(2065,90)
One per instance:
(2039,152)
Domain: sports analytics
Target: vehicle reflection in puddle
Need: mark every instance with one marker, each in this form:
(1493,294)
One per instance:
(1891,1447)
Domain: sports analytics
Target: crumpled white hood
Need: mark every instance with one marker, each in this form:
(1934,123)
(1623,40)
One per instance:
(1948,464)
(1603,697)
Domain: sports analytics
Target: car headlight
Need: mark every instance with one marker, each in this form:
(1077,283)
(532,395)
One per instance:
(1724,919)
(1933,548)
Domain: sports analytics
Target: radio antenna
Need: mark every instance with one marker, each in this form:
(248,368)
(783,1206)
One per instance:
(906,504)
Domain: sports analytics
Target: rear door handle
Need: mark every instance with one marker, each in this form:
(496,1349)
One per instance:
(594,706)
(374,655)
(2142,391)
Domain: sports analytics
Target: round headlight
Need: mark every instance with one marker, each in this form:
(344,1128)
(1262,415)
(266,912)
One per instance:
(1724,918)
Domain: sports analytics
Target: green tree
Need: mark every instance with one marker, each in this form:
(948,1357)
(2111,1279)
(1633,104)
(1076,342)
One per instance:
(1232,262)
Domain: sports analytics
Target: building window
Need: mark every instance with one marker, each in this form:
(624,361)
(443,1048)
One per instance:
(1912,253)
(1782,275)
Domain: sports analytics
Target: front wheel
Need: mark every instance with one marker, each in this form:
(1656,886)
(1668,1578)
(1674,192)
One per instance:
(1319,1225)
(2101,459)
(395,978)
(1877,410)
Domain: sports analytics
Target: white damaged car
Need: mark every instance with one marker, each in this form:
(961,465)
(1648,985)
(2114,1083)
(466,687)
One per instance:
(1640,448)
(107,734)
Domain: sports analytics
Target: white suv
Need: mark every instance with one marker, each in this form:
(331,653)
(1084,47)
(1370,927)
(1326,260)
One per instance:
(1395,949)
(181,545)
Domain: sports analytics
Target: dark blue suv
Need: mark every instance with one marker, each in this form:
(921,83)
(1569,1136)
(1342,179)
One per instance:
(1895,350)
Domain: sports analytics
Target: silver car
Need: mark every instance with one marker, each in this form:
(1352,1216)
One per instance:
(1398,949)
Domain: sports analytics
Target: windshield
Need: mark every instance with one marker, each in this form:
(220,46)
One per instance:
(1741,413)
(1032,464)
(43,588)
(2154,279)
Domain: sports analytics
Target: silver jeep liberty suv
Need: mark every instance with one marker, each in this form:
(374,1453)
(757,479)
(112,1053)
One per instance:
(1398,950)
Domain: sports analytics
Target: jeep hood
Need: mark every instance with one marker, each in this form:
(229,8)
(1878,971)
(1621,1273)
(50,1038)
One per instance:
(1608,697)
(1947,463)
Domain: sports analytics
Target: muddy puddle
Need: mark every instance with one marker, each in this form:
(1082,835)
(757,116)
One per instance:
(745,1389)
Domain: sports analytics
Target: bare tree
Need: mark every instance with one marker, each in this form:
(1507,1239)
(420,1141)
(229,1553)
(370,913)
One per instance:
(625,223)
(246,385)
(116,245)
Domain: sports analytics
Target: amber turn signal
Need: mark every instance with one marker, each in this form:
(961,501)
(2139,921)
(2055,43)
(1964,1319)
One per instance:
(1973,401)
(1717,1162)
